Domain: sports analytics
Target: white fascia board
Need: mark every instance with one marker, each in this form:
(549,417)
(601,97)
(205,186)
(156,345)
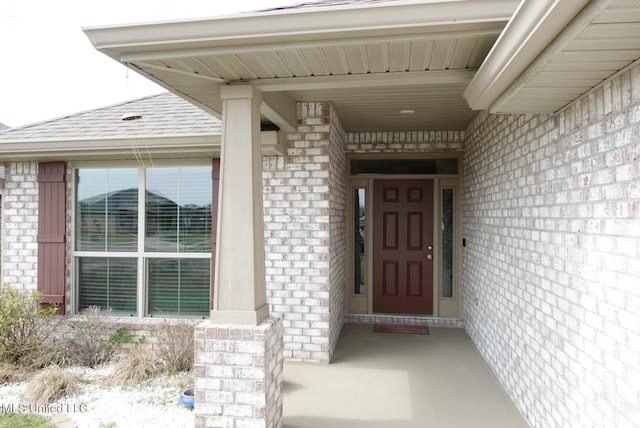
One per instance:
(320,23)
(533,27)
(82,148)
(349,81)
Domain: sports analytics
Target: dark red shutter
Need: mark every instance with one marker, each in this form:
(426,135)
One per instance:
(215,190)
(52,228)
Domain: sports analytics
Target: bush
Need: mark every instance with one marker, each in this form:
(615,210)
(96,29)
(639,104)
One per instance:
(10,373)
(122,336)
(25,327)
(175,344)
(90,341)
(137,365)
(51,384)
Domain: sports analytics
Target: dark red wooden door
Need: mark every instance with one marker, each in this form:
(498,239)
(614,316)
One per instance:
(402,232)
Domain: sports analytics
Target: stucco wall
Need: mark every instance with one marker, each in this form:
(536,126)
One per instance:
(551,269)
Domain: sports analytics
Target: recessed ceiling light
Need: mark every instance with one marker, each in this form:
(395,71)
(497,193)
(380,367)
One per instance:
(407,111)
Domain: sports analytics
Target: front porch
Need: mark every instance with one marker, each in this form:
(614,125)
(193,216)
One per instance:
(393,380)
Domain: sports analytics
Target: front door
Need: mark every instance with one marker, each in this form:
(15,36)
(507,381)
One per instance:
(403,246)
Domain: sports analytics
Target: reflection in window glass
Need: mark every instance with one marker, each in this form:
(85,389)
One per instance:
(107,209)
(404,166)
(447,242)
(359,241)
(178,209)
(177,223)
(179,286)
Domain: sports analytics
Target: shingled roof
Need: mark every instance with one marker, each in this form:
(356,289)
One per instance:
(328,3)
(164,114)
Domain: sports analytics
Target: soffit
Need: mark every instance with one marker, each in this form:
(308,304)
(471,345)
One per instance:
(372,61)
(603,39)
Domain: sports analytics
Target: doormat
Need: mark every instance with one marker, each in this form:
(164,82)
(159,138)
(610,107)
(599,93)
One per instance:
(401,328)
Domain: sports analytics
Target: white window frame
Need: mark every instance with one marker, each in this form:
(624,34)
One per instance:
(141,255)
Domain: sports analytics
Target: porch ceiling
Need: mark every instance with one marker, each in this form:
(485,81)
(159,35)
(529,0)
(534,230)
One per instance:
(438,58)
(371,60)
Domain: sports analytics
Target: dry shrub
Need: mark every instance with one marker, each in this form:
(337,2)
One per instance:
(89,343)
(175,344)
(51,384)
(137,365)
(10,373)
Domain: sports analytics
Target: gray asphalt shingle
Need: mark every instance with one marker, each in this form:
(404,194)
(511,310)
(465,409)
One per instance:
(162,114)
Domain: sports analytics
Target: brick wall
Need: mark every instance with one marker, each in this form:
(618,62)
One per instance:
(20,221)
(551,270)
(304,210)
(337,225)
(405,142)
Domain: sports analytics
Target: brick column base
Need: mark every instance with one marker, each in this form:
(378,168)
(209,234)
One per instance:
(238,375)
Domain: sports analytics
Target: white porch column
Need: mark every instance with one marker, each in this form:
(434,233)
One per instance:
(240,290)
(239,350)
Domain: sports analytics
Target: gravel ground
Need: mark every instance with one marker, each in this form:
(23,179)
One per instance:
(100,405)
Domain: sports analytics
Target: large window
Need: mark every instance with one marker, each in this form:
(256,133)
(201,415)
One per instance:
(143,239)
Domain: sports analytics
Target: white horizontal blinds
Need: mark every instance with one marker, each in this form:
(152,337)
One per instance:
(178,209)
(178,286)
(106,223)
(178,220)
(107,209)
(108,282)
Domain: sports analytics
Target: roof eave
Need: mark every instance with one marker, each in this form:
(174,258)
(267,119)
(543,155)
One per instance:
(120,41)
(132,147)
(535,24)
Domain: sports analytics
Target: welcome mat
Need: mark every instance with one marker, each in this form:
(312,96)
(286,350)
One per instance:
(401,328)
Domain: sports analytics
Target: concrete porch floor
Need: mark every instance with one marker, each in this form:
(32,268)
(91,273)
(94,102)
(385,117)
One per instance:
(398,380)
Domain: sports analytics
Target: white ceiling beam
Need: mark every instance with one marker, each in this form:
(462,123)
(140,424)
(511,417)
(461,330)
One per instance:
(280,109)
(349,81)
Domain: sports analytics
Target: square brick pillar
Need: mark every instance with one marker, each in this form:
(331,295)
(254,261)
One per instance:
(238,370)
(239,351)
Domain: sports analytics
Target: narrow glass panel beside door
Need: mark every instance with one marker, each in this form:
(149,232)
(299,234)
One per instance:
(447,242)
(359,261)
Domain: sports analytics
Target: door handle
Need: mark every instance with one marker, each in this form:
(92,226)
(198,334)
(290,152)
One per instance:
(429,250)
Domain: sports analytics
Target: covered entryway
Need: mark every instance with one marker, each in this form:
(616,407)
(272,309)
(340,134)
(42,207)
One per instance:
(394,78)
(403,246)
(382,380)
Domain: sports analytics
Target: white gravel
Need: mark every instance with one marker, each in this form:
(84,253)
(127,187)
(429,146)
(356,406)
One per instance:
(99,404)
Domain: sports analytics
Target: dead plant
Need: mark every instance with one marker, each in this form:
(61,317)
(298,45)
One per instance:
(138,364)
(10,373)
(51,384)
(175,345)
(88,343)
